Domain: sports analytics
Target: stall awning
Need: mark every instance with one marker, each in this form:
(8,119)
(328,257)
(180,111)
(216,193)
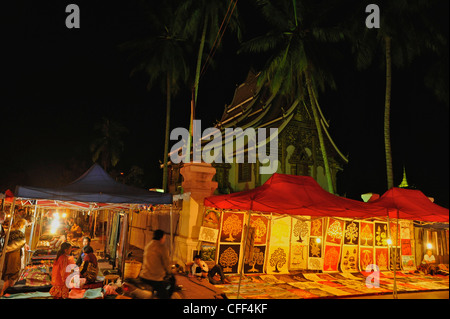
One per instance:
(295,195)
(411,204)
(95,189)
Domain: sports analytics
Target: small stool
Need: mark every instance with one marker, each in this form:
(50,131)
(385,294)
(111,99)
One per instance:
(110,278)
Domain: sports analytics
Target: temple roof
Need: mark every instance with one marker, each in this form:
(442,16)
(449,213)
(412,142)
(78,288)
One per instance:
(257,107)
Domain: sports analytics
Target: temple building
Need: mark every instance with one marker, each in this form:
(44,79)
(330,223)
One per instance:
(298,144)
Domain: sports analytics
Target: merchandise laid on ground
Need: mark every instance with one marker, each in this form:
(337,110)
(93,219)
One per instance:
(331,285)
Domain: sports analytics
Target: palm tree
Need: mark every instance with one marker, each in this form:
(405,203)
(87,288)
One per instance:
(162,56)
(405,31)
(205,23)
(297,42)
(212,18)
(108,146)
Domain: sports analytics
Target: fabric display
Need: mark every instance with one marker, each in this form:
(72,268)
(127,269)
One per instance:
(261,226)
(255,253)
(331,257)
(315,260)
(349,259)
(230,241)
(37,277)
(393,234)
(232,227)
(381,258)
(211,218)
(365,257)
(313,286)
(208,234)
(333,239)
(381,234)
(381,245)
(366,242)
(254,263)
(114,236)
(208,252)
(394,257)
(228,258)
(299,243)
(279,246)
(77,293)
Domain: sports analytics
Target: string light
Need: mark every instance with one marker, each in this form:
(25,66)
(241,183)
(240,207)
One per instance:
(429,246)
(389,241)
(318,240)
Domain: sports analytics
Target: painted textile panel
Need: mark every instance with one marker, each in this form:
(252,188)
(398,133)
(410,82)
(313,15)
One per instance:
(332,251)
(229,258)
(315,245)
(261,226)
(299,243)
(232,227)
(277,259)
(254,263)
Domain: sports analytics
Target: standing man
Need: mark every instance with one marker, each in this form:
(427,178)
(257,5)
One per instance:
(156,266)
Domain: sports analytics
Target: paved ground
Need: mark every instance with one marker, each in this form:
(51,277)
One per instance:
(408,295)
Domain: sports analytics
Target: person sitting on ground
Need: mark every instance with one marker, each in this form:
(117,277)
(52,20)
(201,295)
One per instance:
(86,242)
(215,275)
(76,231)
(428,265)
(156,270)
(89,266)
(60,272)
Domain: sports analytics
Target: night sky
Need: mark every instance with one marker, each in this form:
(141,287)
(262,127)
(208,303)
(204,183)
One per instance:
(58,83)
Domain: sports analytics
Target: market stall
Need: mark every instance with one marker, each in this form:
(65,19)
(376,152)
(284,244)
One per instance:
(94,191)
(296,225)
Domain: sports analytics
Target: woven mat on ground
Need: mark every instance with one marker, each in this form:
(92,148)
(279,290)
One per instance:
(330,285)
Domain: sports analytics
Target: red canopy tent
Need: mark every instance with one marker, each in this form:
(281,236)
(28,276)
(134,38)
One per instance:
(411,204)
(295,195)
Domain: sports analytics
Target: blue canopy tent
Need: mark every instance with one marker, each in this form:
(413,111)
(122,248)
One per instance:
(95,186)
(94,190)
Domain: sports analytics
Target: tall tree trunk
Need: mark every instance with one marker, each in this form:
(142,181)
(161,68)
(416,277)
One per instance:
(199,61)
(319,132)
(387,111)
(196,82)
(166,142)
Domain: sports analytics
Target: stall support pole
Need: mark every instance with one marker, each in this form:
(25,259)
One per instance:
(95,223)
(394,291)
(30,242)
(171,232)
(395,260)
(129,230)
(243,256)
(40,223)
(2,259)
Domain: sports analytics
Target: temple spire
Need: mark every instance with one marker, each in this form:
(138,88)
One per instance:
(404,183)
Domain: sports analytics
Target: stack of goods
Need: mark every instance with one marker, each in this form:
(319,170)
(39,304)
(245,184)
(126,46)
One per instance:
(33,278)
(43,255)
